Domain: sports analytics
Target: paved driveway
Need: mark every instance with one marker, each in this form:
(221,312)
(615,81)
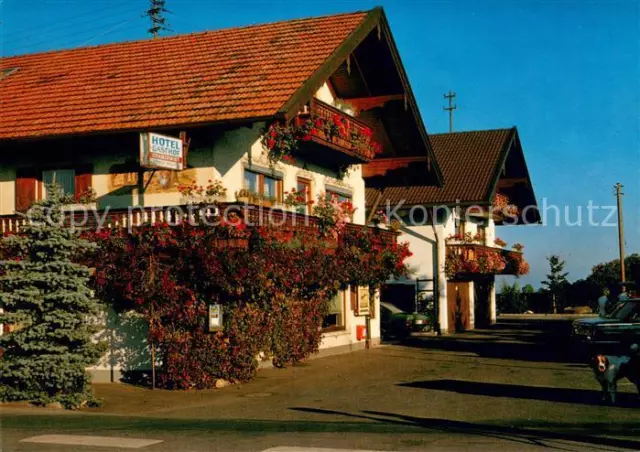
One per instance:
(513,387)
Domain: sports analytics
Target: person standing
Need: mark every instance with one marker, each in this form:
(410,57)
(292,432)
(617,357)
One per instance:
(602,303)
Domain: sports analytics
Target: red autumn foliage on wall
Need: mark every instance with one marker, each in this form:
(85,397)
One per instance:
(274,292)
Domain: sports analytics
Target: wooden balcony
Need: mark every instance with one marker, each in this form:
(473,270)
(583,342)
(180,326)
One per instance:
(253,215)
(467,259)
(354,143)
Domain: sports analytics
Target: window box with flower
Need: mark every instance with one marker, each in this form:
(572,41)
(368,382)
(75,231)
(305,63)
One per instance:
(320,124)
(465,255)
(246,196)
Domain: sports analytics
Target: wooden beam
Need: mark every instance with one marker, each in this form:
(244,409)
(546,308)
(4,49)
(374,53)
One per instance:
(511,182)
(380,166)
(367,103)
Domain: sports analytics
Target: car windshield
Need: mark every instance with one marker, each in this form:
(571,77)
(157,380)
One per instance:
(626,310)
(392,308)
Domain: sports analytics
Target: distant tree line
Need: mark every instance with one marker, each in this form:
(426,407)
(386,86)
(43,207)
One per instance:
(557,293)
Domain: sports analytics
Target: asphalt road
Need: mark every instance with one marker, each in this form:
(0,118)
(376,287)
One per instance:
(515,387)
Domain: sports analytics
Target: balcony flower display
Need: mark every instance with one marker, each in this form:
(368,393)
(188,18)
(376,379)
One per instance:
(280,140)
(467,255)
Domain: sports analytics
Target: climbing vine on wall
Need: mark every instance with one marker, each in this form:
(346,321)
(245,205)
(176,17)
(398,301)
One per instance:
(274,292)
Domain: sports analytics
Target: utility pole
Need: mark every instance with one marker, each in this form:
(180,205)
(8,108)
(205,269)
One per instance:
(618,188)
(450,108)
(155,14)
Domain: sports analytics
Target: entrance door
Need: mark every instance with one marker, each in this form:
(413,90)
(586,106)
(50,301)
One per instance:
(458,306)
(482,289)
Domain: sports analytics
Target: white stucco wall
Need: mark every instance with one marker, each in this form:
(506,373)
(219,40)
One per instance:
(7,190)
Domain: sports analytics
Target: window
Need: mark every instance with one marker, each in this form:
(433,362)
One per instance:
(334,320)
(251,181)
(304,185)
(65,178)
(341,196)
(267,187)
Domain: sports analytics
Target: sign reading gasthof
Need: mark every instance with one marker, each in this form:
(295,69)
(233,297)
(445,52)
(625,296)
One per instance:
(161,152)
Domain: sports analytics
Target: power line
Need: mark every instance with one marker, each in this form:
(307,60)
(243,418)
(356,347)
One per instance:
(108,31)
(97,15)
(74,38)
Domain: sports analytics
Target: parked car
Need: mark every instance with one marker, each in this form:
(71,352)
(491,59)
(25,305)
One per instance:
(612,334)
(399,324)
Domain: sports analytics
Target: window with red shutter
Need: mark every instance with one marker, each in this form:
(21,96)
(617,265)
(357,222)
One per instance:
(27,188)
(83,180)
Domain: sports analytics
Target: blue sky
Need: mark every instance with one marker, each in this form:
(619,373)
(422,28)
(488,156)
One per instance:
(567,73)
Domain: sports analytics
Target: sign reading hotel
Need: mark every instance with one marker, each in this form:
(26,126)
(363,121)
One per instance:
(161,152)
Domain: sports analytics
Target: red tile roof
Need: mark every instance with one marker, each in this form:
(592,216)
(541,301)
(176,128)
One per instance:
(233,74)
(469,162)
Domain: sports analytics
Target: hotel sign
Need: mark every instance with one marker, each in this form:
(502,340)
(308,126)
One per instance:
(161,152)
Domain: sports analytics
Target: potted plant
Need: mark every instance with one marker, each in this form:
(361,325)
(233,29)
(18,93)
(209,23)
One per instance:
(499,242)
(244,196)
(295,198)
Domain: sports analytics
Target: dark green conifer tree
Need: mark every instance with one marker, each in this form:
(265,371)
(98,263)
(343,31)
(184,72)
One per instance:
(45,296)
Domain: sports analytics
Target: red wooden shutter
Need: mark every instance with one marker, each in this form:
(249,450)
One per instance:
(84,179)
(27,182)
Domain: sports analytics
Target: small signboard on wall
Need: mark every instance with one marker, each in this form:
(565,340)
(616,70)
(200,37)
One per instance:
(215,317)
(161,152)
(364,301)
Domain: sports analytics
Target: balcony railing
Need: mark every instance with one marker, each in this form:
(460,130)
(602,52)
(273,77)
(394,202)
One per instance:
(472,258)
(253,215)
(354,139)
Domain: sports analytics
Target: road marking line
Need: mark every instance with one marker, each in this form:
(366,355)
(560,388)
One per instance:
(99,441)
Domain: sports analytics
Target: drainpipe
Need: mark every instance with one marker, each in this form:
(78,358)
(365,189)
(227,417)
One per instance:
(436,276)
